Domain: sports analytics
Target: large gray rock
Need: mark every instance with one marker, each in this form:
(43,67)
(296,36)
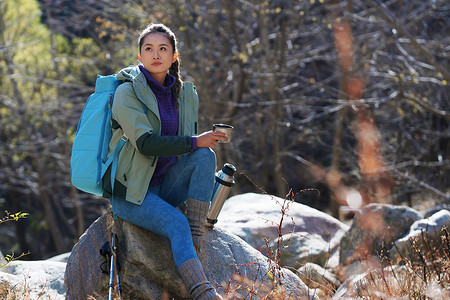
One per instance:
(61,257)
(255,217)
(424,234)
(42,279)
(435,209)
(83,276)
(149,272)
(302,247)
(308,234)
(391,282)
(374,229)
(431,226)
(240,268)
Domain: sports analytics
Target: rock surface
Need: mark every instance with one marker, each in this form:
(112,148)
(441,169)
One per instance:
(148,270)
(83,276)
(374,229)
(424,233)
(32,279)
(302,247)
(255,217)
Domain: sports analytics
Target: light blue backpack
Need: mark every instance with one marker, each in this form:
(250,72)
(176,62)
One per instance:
(89,160)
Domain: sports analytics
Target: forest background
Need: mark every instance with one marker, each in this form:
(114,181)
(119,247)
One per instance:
(344,102)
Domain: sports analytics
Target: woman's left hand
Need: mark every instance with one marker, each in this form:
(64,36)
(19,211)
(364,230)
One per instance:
(210,139)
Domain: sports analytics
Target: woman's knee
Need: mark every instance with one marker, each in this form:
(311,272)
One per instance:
(205,155)
(179,226)
(205,152)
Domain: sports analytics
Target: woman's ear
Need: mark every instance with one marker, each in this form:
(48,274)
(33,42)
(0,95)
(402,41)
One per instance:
(139,56)
(175,57)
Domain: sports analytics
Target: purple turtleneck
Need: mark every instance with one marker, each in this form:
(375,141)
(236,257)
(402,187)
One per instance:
(168,113)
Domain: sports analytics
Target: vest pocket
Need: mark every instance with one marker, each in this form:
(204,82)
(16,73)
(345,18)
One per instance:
(128,164)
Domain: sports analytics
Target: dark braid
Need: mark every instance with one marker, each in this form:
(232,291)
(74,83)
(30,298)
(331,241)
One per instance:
(175,72)
(175,68)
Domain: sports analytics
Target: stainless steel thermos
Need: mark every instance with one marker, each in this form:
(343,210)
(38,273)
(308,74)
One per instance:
(222,187)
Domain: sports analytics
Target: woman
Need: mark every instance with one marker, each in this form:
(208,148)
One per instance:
(164,162)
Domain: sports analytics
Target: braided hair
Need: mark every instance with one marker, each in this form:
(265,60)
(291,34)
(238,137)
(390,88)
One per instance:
(174,69)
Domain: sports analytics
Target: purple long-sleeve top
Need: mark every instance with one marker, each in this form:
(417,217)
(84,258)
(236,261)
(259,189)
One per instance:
(168,113)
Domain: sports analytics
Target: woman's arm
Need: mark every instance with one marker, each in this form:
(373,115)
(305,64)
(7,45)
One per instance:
(128,111)
(156,145)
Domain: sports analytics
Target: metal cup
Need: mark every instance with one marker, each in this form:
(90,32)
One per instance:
(227,129)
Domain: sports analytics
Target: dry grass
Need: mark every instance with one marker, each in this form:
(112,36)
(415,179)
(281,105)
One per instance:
(422,272)
(11,291)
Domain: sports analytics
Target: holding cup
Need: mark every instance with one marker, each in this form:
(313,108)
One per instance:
(224,128)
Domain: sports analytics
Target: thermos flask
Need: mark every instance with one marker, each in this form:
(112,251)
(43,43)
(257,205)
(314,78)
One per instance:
(222,187)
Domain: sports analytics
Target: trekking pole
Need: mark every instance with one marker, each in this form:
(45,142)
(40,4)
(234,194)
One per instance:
(111,270)
(119,289)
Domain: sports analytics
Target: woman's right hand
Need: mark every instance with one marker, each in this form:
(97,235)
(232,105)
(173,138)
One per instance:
(210,139)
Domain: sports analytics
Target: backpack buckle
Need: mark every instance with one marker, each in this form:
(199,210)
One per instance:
(124,138)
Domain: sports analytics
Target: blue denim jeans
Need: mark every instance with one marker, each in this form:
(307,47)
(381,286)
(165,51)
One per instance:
(191,177)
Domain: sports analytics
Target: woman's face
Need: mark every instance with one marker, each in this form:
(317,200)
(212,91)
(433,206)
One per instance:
(157,55)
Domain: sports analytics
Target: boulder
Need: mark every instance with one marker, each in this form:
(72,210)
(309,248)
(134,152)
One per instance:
(42,279)
(61,257)
(147,269)
(437,208)
(301,247)
(374,229)
(424,234)
(241,269)
(391,282)
(83,276)
(256,218)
